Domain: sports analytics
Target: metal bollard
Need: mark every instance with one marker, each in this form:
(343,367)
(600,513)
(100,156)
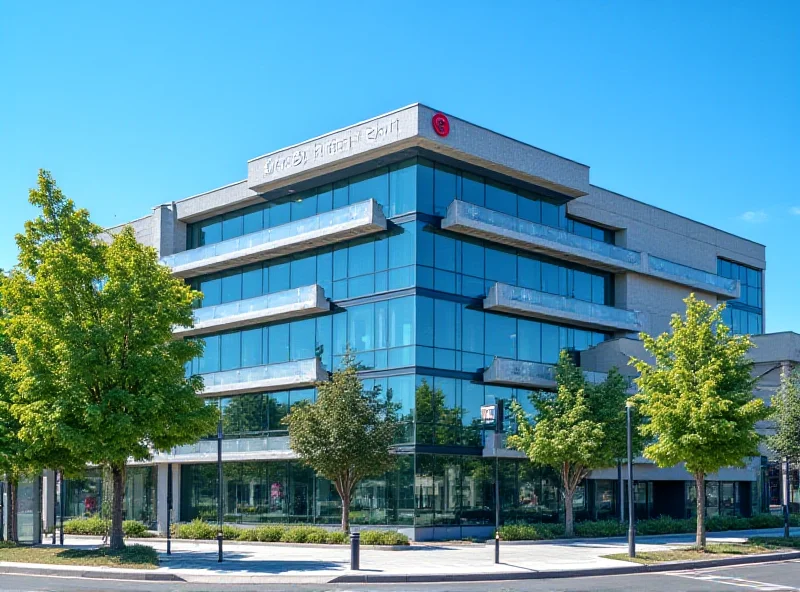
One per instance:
(355,550)
(497,547)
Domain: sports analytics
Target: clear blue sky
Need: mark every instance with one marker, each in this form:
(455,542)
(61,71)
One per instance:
(690,106)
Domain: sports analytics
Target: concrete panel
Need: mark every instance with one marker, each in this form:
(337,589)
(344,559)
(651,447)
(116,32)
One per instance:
(217,201)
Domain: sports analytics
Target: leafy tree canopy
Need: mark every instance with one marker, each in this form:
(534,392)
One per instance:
(345,435)
(786,414)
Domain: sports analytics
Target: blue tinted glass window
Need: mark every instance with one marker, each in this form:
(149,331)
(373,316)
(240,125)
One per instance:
(501,198)
(598,289)
(362,259)
(340,263)
(372,185)
(211,289)
(232,287)
(325,271)
(550,344)
(279,214)
(444,188)
(381,253)
(279,277)
(401,322)
(253,220)
(304,205)
(425,186)
(231,225)
(444,252)
(251,347)
(341,194)
(325,198)
(425,248)
(209,232)
(278,343)
(501,266)
(303,339)
(530,340)
(402,188)
(528,207)
(252,281)
(445,324)
(303,271)
(424,321)
(501,338)
(209,361)
(582,286)
(472,259)
(472,330)
(530,273)
(401,246)
(230,350)
(472,189)
(549,214)
(550,275)
(361,327)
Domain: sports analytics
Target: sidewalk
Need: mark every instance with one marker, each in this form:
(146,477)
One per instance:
(264,563)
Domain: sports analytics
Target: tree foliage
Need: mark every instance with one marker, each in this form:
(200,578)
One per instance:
(697,397)
(785,411)
(574,430)
(345,435)
(99,378)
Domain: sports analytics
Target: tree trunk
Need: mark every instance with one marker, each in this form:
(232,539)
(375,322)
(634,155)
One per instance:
(569,525)
(345,511)
(13,536)
(700,482)
(117,496)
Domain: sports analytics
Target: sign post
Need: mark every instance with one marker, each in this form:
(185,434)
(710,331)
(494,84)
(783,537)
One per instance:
(492,416)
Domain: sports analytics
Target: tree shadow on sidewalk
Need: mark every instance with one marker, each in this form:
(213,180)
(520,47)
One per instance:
(244,563)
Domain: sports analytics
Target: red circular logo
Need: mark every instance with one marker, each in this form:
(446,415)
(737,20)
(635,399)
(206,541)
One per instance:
(440,124)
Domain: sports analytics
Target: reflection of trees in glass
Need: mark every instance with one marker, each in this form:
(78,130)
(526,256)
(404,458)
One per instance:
(436,422)
(247,415)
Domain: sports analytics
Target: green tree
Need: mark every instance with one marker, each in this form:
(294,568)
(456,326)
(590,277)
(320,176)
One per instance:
(345,435)
(697,396)
(785,411)
(573,429)
(99,377)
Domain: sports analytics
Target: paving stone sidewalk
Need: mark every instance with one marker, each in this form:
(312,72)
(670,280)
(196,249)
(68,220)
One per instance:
(255,563)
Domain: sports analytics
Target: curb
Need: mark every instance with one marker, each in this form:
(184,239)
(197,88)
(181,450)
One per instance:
(567,573)
(90,574)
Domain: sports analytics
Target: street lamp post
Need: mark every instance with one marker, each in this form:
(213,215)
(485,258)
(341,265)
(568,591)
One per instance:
(631,514)
(219,491)
(786,487)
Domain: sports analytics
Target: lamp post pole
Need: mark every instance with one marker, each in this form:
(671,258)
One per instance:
(631,514)
(499,419)
(219,491)
(786,487)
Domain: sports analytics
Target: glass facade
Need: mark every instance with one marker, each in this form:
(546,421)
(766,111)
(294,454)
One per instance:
(744,315)
(408,302)
(86,495)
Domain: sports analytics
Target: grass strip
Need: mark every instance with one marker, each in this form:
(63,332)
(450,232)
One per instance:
(132,556)
(754,546)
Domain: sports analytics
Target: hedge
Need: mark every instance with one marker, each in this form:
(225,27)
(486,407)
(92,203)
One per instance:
(200,530)
(96,526)
(661,525)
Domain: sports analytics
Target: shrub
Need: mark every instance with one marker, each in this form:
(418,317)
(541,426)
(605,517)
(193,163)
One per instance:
(94,525)
(317,537)
(601,528)
(269,534)
(298,534)
(383,537)
(229,533)
(196,529)
(337,537)
(531,532)
(134,528)
(665,525)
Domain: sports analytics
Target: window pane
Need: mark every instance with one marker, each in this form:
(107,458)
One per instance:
(253,220)
(444,252)
(530,340)
(550,345)
(402,188)
(209,361)
(211,289)
(501,338)
(362,259)
(582,285)
(550,275)
(325,272)
(279,344)
(724,268)
(424,321)
(251,281)
(501,266)
(232,287)
(361,329)
(529,208)
(230,350)
(529,273)
(401,322)
(209,232)
(549,214)
(304,206)
(303,339)
(372,185)
(472,189)
(445,324)
(324,198)
(303,271)
(472,330)
(424,186)
(401,246)
(472,259)
(279,277)
(501,198)
(445,191)
(598,289)
(251,347)
(279,214)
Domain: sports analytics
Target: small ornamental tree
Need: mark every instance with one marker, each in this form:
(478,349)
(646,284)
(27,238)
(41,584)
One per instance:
(98,372)
(697,396)
(571,429)
(345,435)
(785,412)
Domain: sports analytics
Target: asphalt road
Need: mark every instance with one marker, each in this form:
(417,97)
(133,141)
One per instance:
(771,577)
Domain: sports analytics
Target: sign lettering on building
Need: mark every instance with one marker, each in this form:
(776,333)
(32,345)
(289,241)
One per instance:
(314,154)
